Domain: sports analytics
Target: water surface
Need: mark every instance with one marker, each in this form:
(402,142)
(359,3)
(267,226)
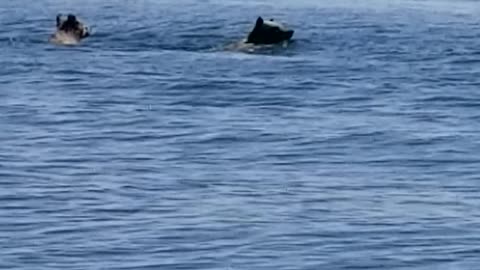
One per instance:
(151,147)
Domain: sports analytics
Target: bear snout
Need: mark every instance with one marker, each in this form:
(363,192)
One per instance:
(289,34)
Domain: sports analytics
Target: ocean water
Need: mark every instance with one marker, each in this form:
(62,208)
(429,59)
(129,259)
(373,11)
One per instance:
(151,146)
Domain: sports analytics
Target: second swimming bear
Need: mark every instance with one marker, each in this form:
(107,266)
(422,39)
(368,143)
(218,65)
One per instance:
(69,31)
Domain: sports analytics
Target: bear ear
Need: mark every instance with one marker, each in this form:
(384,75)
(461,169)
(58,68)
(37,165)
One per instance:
(259,21)
(59,20)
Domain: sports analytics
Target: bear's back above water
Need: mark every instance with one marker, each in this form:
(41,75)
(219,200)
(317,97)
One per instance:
(269,32)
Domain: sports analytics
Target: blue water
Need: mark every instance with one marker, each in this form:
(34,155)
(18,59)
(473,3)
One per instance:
(150,146)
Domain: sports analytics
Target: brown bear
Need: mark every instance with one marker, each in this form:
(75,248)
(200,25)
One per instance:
(69,31)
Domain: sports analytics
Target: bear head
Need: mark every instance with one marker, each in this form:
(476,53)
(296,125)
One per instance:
(72,26)
(269,32)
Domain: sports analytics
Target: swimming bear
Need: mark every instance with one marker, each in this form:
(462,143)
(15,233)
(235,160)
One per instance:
(69,31)
(268,32)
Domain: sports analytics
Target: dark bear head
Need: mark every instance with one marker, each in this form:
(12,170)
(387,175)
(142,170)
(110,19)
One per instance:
(72,26)
(269,32)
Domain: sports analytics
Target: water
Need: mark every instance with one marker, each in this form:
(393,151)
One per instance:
(151,147)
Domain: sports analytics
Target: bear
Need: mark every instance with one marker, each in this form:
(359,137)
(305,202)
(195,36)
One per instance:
(69,31)
(268,32)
